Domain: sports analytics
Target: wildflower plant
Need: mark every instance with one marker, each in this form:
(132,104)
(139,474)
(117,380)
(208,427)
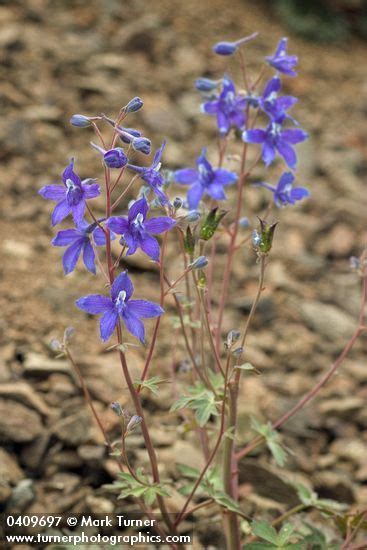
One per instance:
(246,115)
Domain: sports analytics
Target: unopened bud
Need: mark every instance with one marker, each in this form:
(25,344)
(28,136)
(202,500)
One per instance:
(177,203)
(141,144)
(116,407)
(69,334)
(134,105)
(232,337)
(205,84)
(115,158)
(134,421)
(80,121)
(210,224)
(199,263)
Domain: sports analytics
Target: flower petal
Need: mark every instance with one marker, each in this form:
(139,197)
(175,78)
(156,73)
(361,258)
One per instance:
(53,192)
(272,86)
(285,180)
(99,236)
(194,195)
(134,324)
(159,224)
(94,304)
(293,135)
(118,224)
(150,246)
(91,191)
(223,123)
(186,176)
(145,309)
(71,255)
(62,209)
(69,174)
(78,212)
(108,323)
(210,107)
(131,242)
(268,153)
(123,282)
(224,177)
(65,237)
(299,193)
(287,153)
(254,136)
(158,155)
(138,207)
(216,191)
(88,257)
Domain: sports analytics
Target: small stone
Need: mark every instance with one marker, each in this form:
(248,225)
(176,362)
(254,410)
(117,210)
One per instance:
(17,422)
(74,429)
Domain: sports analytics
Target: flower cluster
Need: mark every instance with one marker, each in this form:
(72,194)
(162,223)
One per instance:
(136,229)
(233,109)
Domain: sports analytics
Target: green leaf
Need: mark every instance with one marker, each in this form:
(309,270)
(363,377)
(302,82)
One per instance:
(226,502)
(259,546)
(149,496)
(248,367)
(278,452)
(285,534)
(265,531)
(151,384)
(187,471)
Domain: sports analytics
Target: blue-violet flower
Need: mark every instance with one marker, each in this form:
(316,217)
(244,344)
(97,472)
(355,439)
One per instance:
(281,61)
(229,108)
(152,175)
(136,229)
(204,179)
(284,193)
(119,305)
(71,196)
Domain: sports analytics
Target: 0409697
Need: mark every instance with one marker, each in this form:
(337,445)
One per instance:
(33,521)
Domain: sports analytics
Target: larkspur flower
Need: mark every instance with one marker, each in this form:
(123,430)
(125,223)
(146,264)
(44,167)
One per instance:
(275,107)
(281,61)
(113,158)
(151,174)
(228,107)
(119,305)
(71,196)
(78,240)
(136,230)
(284,193)
(275,138)
(81,121)
(204,179)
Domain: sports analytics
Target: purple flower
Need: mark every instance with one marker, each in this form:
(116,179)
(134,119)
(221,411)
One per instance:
(204,180)
(275,138)
(228,108)
(275,107)
(77,241)
(136,230)
(284,193)
(71,196)
(120,306)
(113,158)
(281,61)
(134,105)
(152,176)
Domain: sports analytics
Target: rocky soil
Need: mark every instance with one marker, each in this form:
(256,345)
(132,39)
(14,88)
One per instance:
(60,58)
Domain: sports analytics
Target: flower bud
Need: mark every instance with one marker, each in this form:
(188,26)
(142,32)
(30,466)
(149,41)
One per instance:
(56,345)
(232,337)
(80,121)
(116,407)
(244,222)
(192,216)
(141,144)
(134,421)
(199,263)
(225,48)
(115,158)
(134,105)
(69,334)
(205,84)
(177,203)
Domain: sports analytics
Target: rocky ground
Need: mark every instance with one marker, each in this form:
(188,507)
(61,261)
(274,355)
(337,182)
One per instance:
(63,58)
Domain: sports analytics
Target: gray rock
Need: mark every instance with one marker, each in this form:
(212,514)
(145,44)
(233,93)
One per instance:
(17,422)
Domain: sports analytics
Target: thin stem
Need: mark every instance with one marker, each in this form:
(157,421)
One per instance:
(118,200)
(213,453)
(157,323)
